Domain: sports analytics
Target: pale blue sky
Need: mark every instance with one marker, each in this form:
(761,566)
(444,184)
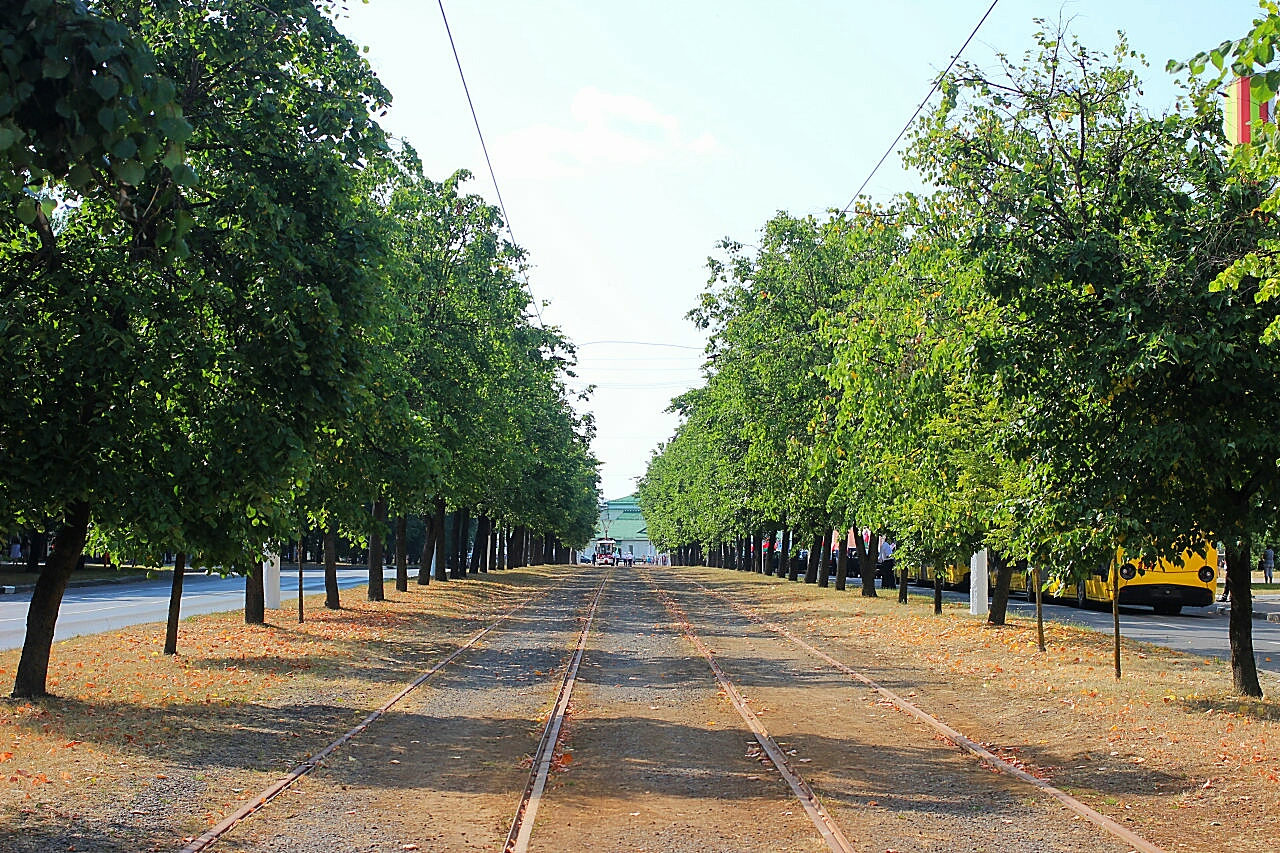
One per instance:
(628,138)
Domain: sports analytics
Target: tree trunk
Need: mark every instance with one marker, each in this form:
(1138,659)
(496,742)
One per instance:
(495,541)
(302,556)
(1039,612)
(375,550)
(824,560)
(428,549)
(331,568)
(902,590)
(842,561)
(937,591)
(784,554)
(461,527)
(481,545)
(1115,609)
(811,570)
(402,554)
(1244,668)
(442,558)
(757,552)
(255,597)
(175,605)
(1000,595)
(36,553)
(868,553)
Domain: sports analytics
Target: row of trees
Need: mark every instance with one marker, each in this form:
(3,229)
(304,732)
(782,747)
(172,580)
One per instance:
(1058,350)
(235,310)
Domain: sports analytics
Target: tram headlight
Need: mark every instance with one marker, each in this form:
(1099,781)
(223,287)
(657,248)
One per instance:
(1128,571)
(1206,574)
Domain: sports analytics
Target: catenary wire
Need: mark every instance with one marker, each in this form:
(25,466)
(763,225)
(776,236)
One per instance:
(502,205)
(937,82)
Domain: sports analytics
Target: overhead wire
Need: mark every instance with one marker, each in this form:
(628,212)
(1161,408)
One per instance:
(937,83)
(641,344)
(493,176)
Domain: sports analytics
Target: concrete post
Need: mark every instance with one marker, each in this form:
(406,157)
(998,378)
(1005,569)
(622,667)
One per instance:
(978,584)
(271,581)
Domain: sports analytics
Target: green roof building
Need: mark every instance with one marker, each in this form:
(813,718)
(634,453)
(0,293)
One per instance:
(621,520)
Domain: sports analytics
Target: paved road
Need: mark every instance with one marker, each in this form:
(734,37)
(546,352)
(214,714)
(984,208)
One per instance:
(88,610)
(1197,630)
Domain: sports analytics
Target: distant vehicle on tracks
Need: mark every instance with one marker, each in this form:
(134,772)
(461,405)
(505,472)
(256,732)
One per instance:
(606,552)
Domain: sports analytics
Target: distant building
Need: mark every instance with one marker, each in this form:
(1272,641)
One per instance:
(622,521)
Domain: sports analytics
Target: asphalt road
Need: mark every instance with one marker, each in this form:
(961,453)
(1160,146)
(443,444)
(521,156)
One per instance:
(91,609)
(1197,630)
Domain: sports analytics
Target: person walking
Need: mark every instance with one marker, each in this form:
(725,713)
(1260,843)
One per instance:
(1268,564)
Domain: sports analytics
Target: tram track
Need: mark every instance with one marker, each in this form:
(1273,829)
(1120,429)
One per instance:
(526,812)
(946,732)
(264,797)
(641,769)
(831,833)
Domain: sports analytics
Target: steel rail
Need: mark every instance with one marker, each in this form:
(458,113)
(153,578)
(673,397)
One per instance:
(822,819)
(962,742)
(526,812)
(214,833)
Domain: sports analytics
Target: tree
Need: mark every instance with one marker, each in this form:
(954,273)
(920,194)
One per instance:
(1099,228)
(268,274)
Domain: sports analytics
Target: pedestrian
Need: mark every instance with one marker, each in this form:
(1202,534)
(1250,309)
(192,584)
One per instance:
(1268,564)
(15,552)
(886,563)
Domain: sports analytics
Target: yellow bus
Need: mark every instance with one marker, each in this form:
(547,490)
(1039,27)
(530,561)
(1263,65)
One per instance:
(953,577)
(1163,586)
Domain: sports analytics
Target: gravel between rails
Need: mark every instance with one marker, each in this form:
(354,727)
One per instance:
(660,761)
(445,769)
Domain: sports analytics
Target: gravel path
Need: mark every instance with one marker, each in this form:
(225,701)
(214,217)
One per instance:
(661,760)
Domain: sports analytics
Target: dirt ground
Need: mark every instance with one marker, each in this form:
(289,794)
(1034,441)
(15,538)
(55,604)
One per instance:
(141,750)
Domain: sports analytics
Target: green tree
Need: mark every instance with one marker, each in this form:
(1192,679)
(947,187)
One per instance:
(1099,228)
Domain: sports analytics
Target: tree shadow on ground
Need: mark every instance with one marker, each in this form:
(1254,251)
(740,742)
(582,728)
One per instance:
(1267,709)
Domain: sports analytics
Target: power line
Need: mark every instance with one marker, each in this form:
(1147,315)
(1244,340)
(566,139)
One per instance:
(641,344)
(502,205)
(937,82)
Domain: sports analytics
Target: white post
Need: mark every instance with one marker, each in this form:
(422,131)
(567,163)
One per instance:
(271,581)
(978,584)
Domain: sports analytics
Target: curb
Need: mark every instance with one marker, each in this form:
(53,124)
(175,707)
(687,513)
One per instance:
(1224,609)
(29,587)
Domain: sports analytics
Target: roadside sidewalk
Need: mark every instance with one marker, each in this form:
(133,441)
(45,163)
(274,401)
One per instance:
(1266,605)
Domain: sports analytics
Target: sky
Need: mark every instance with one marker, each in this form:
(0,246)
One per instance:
(629,138)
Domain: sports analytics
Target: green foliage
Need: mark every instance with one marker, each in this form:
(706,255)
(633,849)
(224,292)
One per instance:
(294,323)
(1057,351)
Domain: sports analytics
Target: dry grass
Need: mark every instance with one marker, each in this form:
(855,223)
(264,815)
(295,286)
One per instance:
(1168,749)
(234,708)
